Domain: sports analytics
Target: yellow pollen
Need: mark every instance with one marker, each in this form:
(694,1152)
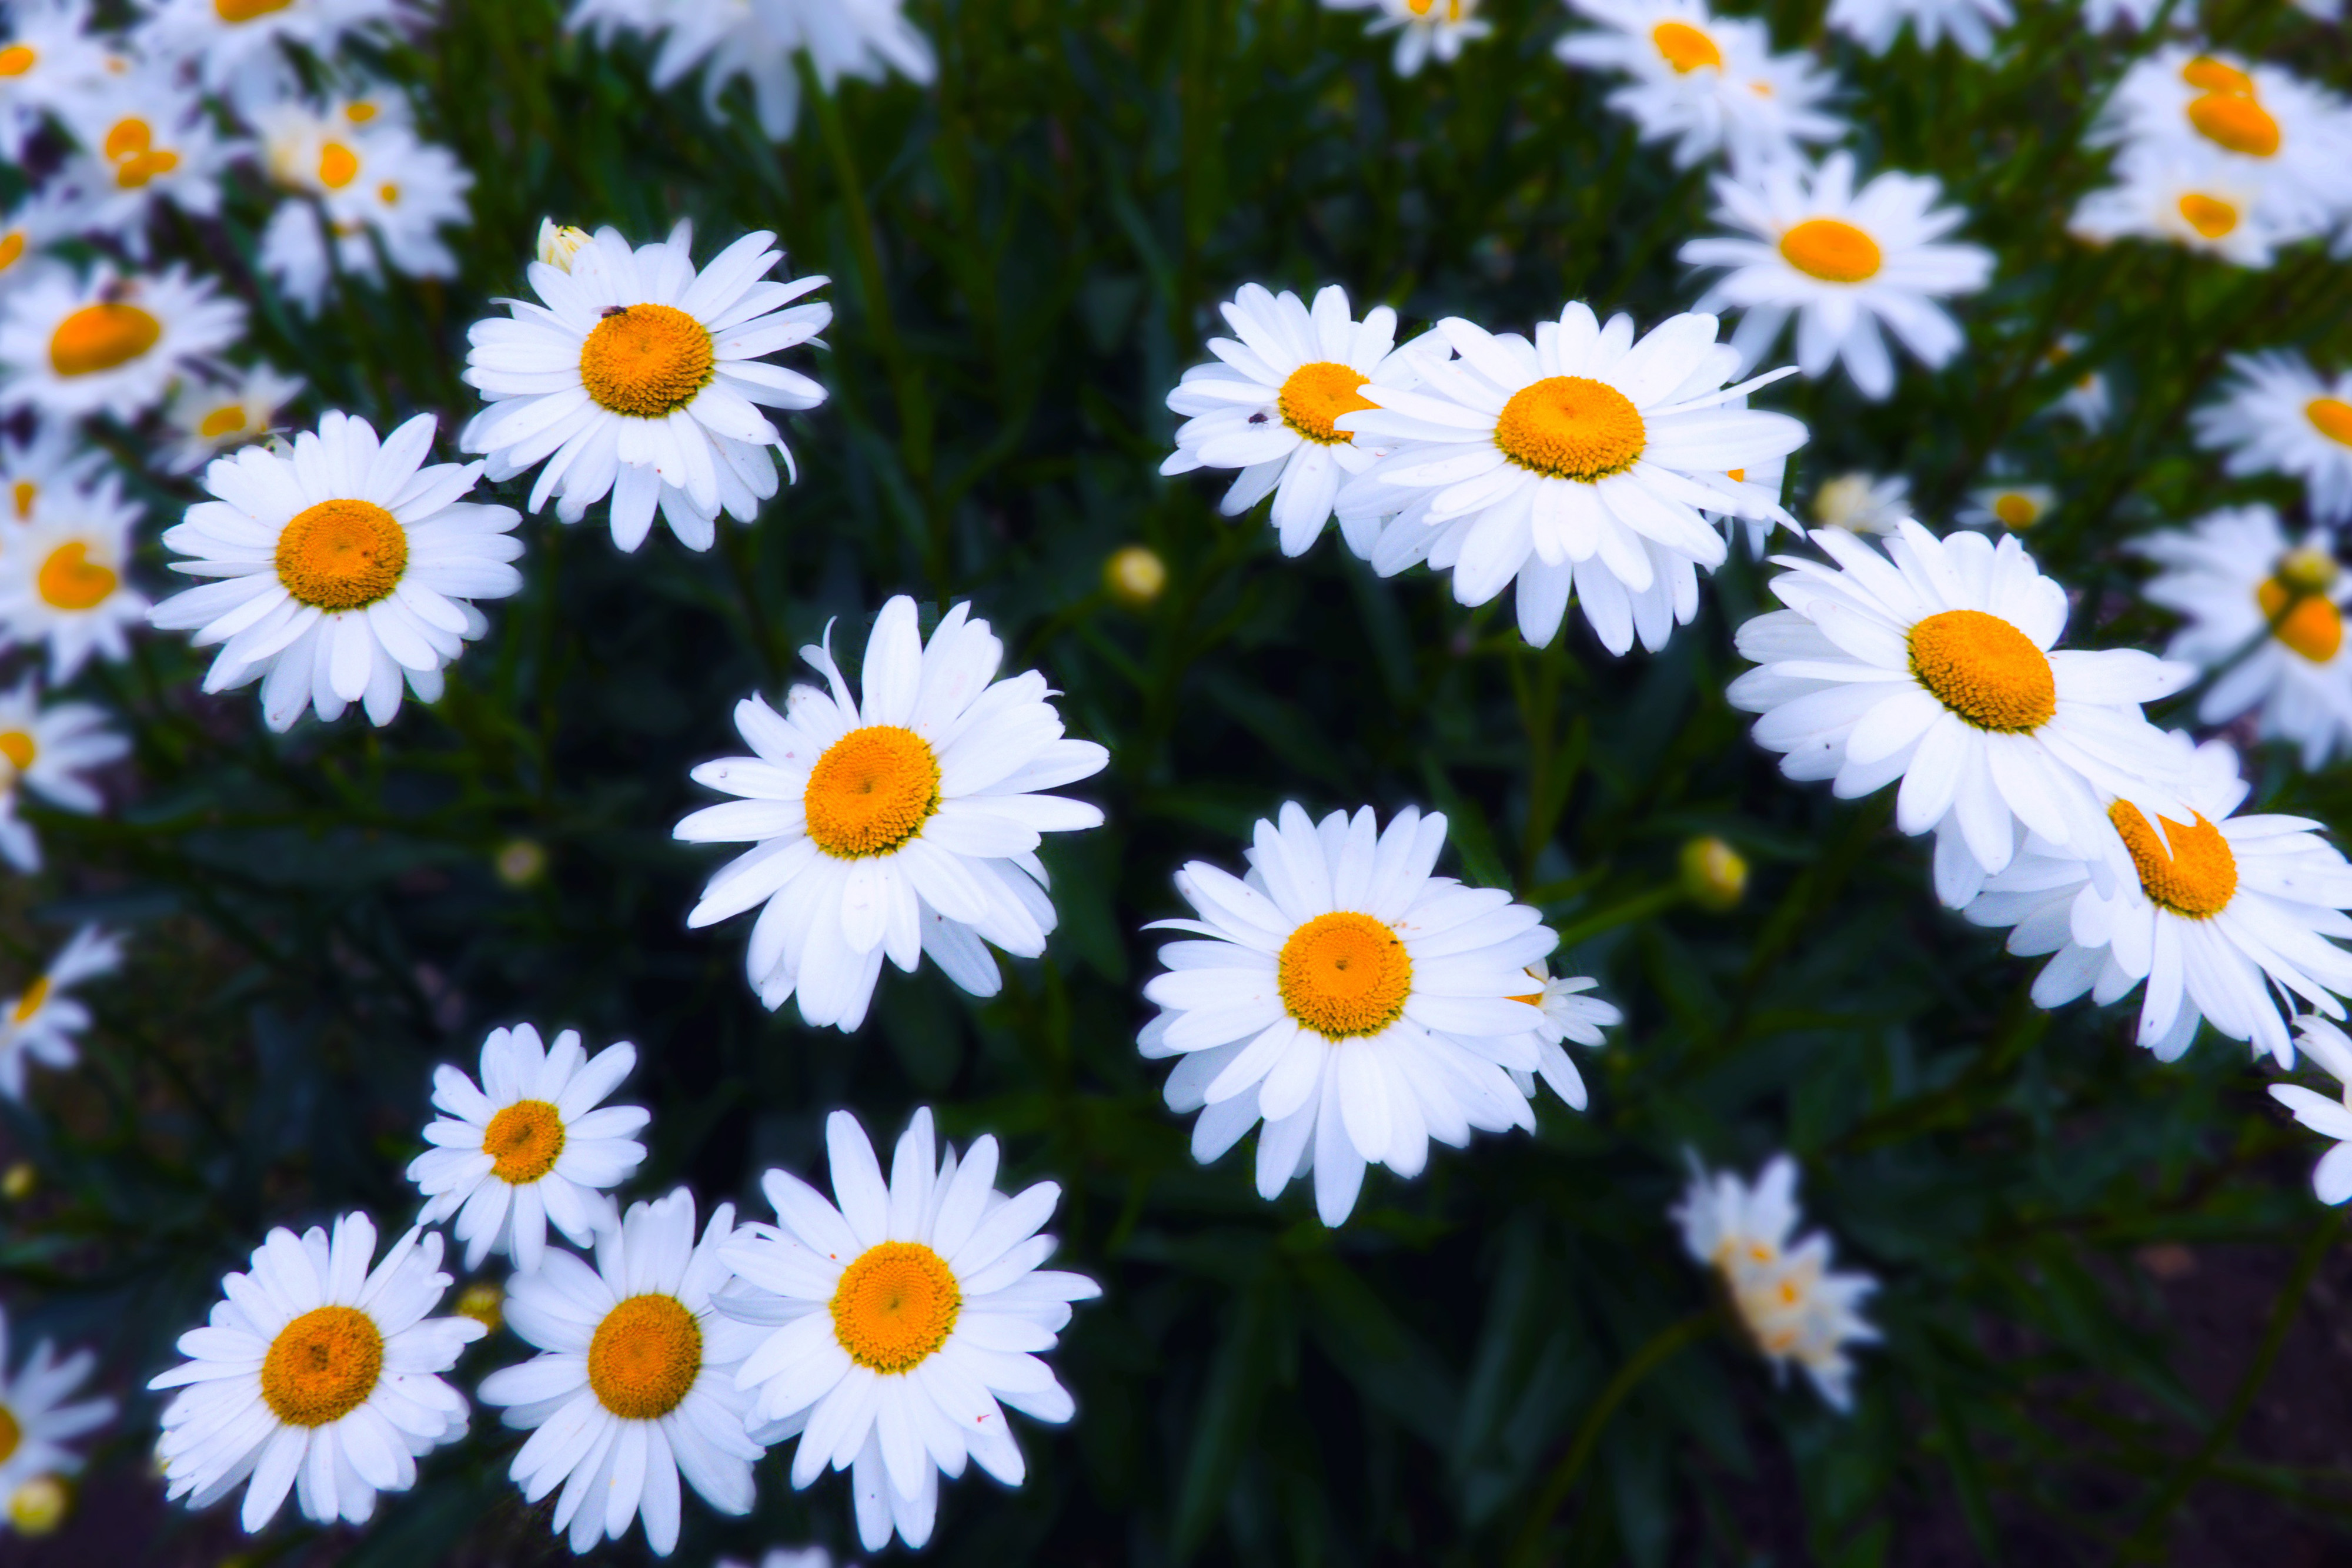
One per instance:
(524,1140)
(2015,510)
(2208,215)
(237,11)
(11,248)
(2209,75)
(2307,621)
(1345,974)
(24,493)
(871,791)
(342,554)
(645,361)
(69,579)
(1832,250)
(2239,124)
(2196,880)
(1985,670)
(895,1306)
(16,59)
(18,748)
(101,336)
(1572,427)
(128,136)
(389,193)
(2332,417)
(1316,395)
(11,1433)
(644,1357)
(1736,475)
(26,1006)
(225,421)
(1685,47)
(323,1365)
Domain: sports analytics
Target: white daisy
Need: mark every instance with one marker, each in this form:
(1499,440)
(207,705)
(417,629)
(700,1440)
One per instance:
(786,1557)
(2185,198)
(1874,24)
(904,824)
(1581,460)
(47,751)
(1863,503)
(894,1328)
(2267,613)
(238,46)
(2101,15)
(64,576)
(1425,29)
(2086,399)
(2331,1178)
(372,185)
(1844,261)
(638,378)
(2013,506)
(51,462)
(35,1418)
(1358,1005)
(2279,416)
(1567,1014)
(143,139)
(1933,668)
(635,1385)
(2258,124)
(529,1145)
(41,1024)
(1795,1309)
(49,60)
(212,416)
(29,234)
(318,1375)
(1709,83)
(111,344)
(343,569)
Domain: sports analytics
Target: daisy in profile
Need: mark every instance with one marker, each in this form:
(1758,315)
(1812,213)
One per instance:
(2331,1178)
(64,578)
(895,1323)
(1710,84)
(41,1024)
(2280,416)
(110,344)
(49,61)
(47,751)
(1356,1004)
(144,141)
(529,1146)
(1581,461)
(904,824)
(344,569)
(37,1416)
(1845,262)
(317,1375)
(2267,613)
(210,415)
(2256,125)
(1863,503)
(2172,194)
(1426,29)
(2016,508)
(371,187)
(1969,24)
(1795,1309)
(634,1384)
(1568,1015)
(1931,666)
(2223,918)
(642,378)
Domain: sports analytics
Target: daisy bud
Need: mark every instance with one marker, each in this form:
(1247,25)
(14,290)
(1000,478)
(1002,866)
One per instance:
(39,1506)
(1135,576)
(485,1303)
(520,861)
(559,243)
(1715,875)
(17,1182)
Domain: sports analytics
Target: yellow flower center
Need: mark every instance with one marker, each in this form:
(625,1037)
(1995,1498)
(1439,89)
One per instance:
(237,11)
(24,493)
(26,1006)
(1985,670)
(127,137)
(524,1141)
(101,336)
(2196,880)
(645,361)
(1832,250)
(1344,975)
(2332,417)
(2304,621)
(2208,215)
(11,1433)
(342,554)
(2209,75)
(1316,395)
(69,579)
(895,1306)
(2239,124)
(338,165)
(18,747)
(359,112)
(1572,427)
(1685,47)
(16,59)
(389,193)
(2015,510)
(11,248)
(135,170)
(225,421)
(323,1365)
(871,791)
(644,1357)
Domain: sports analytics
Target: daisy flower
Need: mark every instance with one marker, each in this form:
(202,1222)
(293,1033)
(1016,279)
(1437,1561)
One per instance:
(2331,1178)
(111,344)
(2013,506)
(49,61)
(47,751)
(901,825)
(1874,24)
(2177,196)
(2221,916)
(1357,1004)
(27,234)
(1863,503)
(212,416)
(1795,1309)
(2101,15)
(1932,665)
(639,376)
(62,578)
(786,1557)
(238,46)
(893,1325)
(2267,613)
(1567,1014)
(1708,83)
(2256,125)
(1425,29)
(1845,262)
(372,185)
(41,1024)
(316,1374)
(529,1145)
(144,141)
(634,1385)
(2279,416)
(1581,460)
(49,463)
(2086,399)
(35,1416)
(343,569)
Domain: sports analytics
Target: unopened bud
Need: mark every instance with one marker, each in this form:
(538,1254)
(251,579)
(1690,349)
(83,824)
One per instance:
(1713,874)
(17,1183)
(484,1303)
(559,243)
(520,861)
(39,1506)
(1135,576)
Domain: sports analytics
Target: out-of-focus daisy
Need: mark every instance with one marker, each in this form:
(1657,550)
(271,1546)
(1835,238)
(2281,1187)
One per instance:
(2087,399)
(47,751)
(1567,1014)
(634,1385)
(904,824)
(144,141)
(238,46)
(39,221)
(1874,24)
(212,416)
(1845,262)
(1352,1002)
(41,1025)
(2221,915)
(2279,416)
(63,578)
(111,344)
(2100,15)
(529,1145)
(372,186)
(1932,665)
(786,1557)
(35,1416)
(2258,125)
(344,569)
(50,462)
(895,1323)
(2016,508)
(1426,29)
(49,60)
(1863,503)
(1582,460)
(2246,589)
(2331,1178)
(317,1375)
(2174,195)
(1795,1307)
(1708,83)
(639,378)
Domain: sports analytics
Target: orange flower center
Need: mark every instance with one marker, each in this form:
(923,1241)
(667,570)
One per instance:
(524,1141)
(36,994)
(1316,395)
(18,748)
(1572,427)
(2209,75)
(1985,670)
(342,554)
(2015,510)
(24,493)
(2332,417)
(16,59)
(2208,215)
(69,579)
(645,361)
(11,248)
(1832,250)
(895,1306)
(11,1433)
(2239,124)
(644,1357)
(2199,875)
(2308,622)
(101,337)
(338,165)
(1685,47)
(1345,974)
(235,11)
(871,791)
(225,421)
(322,1367)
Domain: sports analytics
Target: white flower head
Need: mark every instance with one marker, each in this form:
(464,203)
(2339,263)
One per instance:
(343,569)
(144,139)
(1969,24)
(2007,505)
(902,824)
(897,1322)
(50,59)
(28,234)
(47,751)
(1711,83)
(65,577)
(109,344)
(38,1416)
(365,189)
(1568,1015)
(1863,503)
(559,243)
(41,1025)
(2322,1042)
(2087,400)
(239,46)
(2101,15)
(530,1146)
(213,414)
(317,1374)
(2255,124)
(53,462)
(1426,29)
(2279,416)
(2185,197)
